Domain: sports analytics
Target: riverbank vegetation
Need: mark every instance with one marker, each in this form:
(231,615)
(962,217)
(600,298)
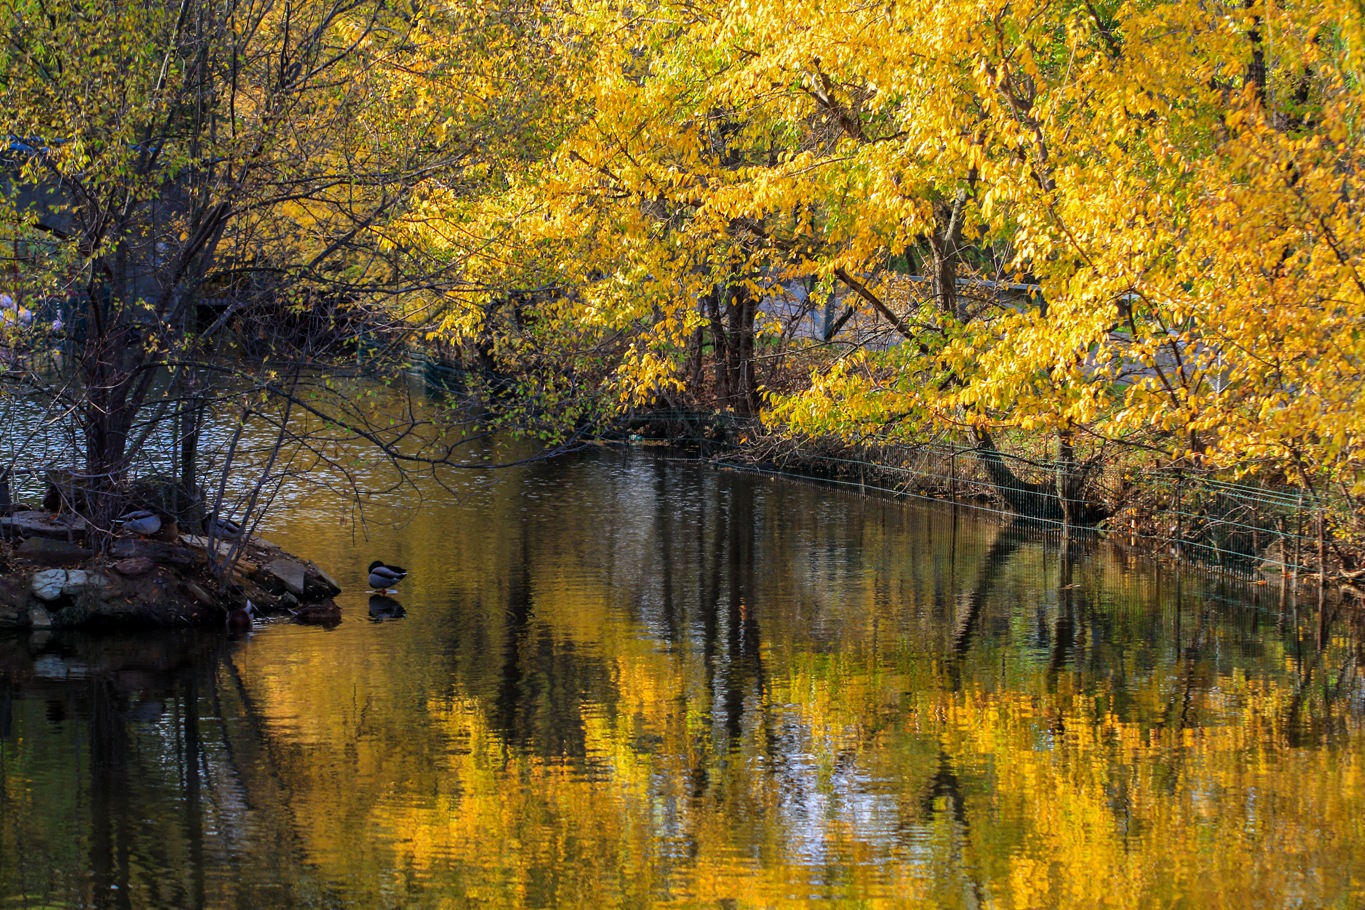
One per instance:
(1111,237)
(198,205)
(1114,236)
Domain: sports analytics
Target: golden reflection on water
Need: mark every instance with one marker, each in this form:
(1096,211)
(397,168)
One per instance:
(669,685)
(626,682)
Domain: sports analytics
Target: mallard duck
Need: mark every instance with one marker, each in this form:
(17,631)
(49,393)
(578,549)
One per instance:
(143,522)
(383,577)
(239,619)
(222,527)
(323,613)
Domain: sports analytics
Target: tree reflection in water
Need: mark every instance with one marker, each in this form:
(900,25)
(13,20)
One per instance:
(621,680)
(121,783)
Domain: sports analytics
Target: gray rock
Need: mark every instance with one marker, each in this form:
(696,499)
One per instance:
(198,542)
(134,566)
(199,594)
(13,603)
(155,550)
(319,584)
(39,617)
(48,584)
(79,581)
(41,524)
(293,575)
(46,551)
(51,584)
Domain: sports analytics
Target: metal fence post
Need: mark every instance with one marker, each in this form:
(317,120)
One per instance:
(952,457)
(1322,549)
(1322,575)
(1179,514)
(1298,538)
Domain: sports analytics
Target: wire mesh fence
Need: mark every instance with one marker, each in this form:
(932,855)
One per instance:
(1238,527)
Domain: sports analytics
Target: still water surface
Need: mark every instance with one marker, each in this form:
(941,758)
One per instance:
(621,680)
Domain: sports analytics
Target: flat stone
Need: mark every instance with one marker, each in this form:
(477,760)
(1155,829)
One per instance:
(47,551)
(39,617)
(319,584)
(155,550)
(48,584)
(78,581)
(199,594)
(133,566)
(198,542)
(293,575)
(13,596)
(42,524)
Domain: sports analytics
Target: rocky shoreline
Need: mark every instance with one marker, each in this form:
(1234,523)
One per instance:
(51,579)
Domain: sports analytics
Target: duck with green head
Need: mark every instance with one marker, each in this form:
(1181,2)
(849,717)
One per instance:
(383,577)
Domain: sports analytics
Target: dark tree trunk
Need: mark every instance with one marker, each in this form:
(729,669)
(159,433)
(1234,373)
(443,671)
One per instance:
(945,243)
(692,366)
(110,366)
(1069,479)
(743,380)
(1025,498)
(719,344)
(1256,69)
(189,501)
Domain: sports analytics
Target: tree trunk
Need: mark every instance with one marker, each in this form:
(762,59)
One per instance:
(1069,479)
(743,381)
(720,350)
(1256,69)
(692,366)
(192,412)
(1027,499)
(111,355)
(945,243)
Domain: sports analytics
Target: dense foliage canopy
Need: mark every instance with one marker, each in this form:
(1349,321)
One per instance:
(1118,222)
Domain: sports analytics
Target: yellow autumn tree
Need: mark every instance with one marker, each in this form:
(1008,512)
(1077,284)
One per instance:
(193,184)
(1123,223)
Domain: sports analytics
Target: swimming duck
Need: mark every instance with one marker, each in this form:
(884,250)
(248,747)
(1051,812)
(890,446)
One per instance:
(323,613)
(239,619)
(383,578)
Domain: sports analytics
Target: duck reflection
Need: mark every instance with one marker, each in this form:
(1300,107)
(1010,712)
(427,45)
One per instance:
(383,609)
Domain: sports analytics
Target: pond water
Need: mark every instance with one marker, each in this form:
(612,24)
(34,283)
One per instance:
(620,679)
